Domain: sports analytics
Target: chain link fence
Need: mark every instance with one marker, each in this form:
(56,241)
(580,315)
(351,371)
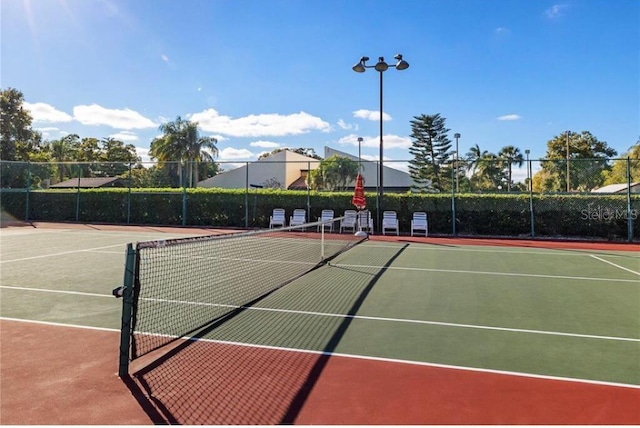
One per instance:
(533,198)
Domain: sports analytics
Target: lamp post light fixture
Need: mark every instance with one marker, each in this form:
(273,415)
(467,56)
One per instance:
(457,136)
(381,66)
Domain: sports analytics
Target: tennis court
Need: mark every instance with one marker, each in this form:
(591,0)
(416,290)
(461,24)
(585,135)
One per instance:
(396,330)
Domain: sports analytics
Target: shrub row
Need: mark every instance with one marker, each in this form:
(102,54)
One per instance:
(589,216)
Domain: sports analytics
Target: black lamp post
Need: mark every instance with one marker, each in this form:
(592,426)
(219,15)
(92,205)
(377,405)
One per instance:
(380,67)
(360,139)
(568,160)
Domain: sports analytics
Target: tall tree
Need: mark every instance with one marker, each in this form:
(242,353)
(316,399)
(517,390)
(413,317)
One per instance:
(64,150)
(431,151)
(588,160)
(489,172)
(618,173)
(16,136)
(473,157)
(181,142)
(512,156)
(333,173)
(116,156)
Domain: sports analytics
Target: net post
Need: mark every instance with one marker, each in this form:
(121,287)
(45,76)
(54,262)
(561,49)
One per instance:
(127,312)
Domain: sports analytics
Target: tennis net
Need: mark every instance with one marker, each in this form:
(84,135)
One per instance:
(176,287)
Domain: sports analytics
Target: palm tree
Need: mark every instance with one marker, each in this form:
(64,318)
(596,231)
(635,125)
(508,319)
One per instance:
(513,156)
(473,158)
(182,142)
(63,150)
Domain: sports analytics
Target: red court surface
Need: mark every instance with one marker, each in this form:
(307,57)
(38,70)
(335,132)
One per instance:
(59,375)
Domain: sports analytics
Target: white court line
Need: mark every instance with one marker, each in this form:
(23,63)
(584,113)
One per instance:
(123,246)
(46,290)
(419,246)
(332,315)
(396,320)
(613,264)
(364,357)
(473,272)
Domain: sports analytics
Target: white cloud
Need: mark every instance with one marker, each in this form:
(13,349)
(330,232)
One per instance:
(49,131)
(347,126)
(124,136)
(371,115)
(143,152)
(164,58)
(265,144)
(259,125)
(42,112)
(502,31)
(509,117)
(389,141)
(352,140)
(556,11)
(231,153)
(115,118)
(396,142)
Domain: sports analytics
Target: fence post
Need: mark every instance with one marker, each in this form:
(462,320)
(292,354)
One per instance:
(26,203)
(184,194)
(308,193)
(78,195)
(453,203)
(533,232)
(629,213)
(129,196)
(246,196)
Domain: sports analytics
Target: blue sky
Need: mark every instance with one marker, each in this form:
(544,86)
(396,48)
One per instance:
(262,74)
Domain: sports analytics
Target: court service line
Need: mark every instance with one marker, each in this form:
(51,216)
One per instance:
(123,246)
(613,264)
(472,272)
(358,357)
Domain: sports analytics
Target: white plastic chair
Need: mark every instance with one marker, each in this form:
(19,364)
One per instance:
(326,217)
(298,218)
(389,222)
(365,221)
(278,218)
(419,222)
(349,220)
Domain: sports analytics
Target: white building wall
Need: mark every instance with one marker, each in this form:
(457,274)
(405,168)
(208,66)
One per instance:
(283,167)
(391,176)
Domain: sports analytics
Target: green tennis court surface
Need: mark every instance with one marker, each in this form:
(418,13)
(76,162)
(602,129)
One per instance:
(560,313)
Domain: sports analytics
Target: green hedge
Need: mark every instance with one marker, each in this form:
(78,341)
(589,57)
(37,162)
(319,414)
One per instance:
(585,216)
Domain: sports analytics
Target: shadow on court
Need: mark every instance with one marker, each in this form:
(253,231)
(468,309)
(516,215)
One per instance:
(225,381)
